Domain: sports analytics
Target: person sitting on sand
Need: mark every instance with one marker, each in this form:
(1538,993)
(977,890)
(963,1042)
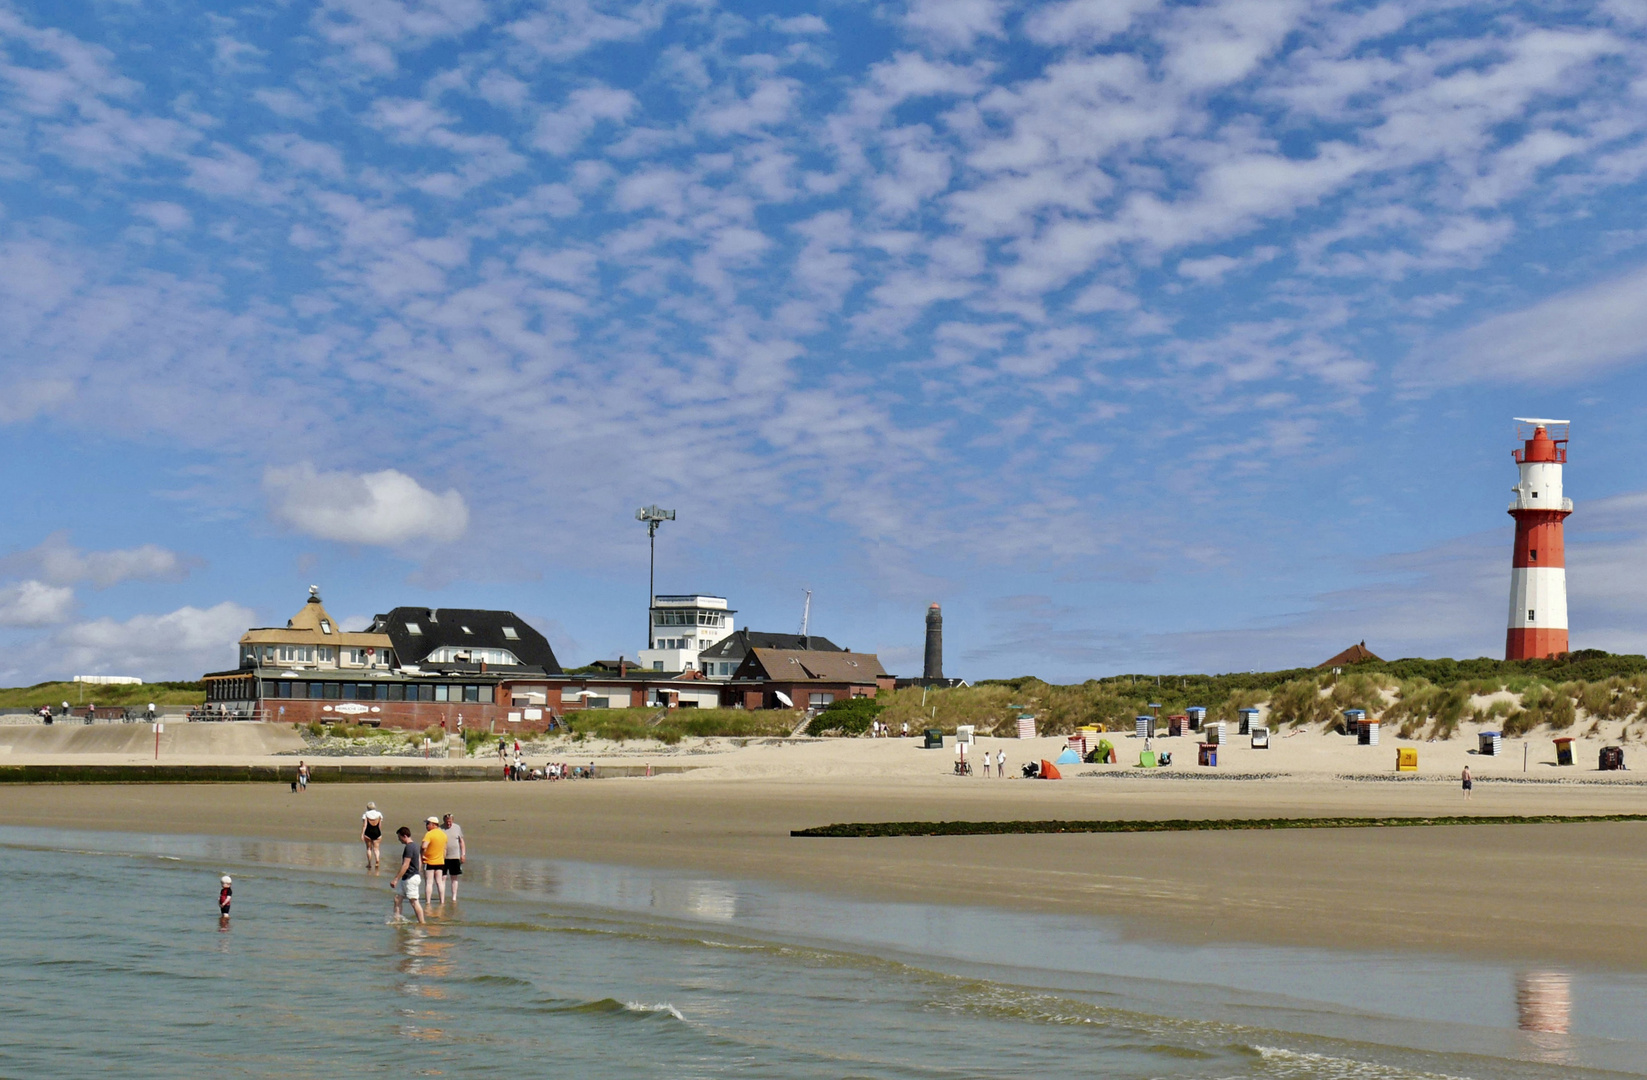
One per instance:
(371,832)
(408,880)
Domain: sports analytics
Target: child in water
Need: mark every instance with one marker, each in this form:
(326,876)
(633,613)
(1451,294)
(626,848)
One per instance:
(226,896)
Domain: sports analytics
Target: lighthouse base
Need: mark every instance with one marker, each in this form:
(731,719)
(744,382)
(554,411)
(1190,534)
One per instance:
(1530,644)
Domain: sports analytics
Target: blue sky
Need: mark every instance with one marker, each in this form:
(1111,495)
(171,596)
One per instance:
(1142,336)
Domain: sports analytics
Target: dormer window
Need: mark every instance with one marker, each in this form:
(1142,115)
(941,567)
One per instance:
(413,628)
(325,626)
(510,633)
(466,630)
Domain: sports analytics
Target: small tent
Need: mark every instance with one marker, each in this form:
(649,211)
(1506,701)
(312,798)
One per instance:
(1069,757)
(1049,771)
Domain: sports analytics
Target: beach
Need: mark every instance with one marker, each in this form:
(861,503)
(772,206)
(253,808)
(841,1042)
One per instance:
(1555,893)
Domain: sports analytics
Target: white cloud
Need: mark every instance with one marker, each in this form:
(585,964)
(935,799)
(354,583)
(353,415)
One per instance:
(167,215)
(561,131)
(1562,339)
(178,644)
(387,508)
(955,24)
(34,603)
(57,562)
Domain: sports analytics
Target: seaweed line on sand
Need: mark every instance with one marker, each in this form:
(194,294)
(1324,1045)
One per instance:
(996,828)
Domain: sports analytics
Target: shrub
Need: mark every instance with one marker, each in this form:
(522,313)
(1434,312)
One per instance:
(849,717)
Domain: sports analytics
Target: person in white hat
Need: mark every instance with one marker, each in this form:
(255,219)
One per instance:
(226,896)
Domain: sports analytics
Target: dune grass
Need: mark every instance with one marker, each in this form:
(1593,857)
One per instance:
(55,693)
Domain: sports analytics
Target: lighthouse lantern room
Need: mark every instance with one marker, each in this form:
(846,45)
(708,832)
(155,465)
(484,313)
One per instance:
(1538,578)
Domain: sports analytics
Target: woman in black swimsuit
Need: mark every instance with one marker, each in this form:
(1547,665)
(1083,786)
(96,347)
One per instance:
(371,832)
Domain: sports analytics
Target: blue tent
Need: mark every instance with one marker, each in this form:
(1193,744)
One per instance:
(1068,757)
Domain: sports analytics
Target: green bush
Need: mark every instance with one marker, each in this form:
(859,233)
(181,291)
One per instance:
(849,717)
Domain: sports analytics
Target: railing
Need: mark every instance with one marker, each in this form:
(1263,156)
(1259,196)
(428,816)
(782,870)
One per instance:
(1560,454)
(1566,504)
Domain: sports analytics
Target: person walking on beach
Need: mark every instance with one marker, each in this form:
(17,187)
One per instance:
(371,833)
(302,777)
(1469,782)
(1000,764)
(408,880)
(457,851)
(434,858)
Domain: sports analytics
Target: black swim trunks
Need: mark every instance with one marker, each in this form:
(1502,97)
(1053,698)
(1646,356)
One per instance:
(454,867)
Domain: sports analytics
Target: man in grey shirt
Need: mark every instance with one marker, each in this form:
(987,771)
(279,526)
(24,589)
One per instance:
(408,882)
(457,851)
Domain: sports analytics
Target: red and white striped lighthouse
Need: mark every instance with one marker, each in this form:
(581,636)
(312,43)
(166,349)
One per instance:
(1538,581)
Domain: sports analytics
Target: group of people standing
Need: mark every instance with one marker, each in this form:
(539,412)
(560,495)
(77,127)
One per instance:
(427,868)
(963,761)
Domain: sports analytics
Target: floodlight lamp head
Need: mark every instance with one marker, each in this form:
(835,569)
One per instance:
(654,513)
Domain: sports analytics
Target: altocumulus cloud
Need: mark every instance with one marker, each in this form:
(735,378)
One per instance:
(57,562)
(386,508)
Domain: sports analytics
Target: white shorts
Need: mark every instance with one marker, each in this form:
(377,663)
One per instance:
(410,887)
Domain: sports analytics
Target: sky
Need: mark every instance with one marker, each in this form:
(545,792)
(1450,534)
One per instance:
(1142,336)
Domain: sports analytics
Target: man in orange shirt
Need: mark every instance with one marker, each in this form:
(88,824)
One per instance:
(434,858)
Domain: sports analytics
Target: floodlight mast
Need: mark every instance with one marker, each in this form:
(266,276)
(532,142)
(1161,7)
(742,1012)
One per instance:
(653,515)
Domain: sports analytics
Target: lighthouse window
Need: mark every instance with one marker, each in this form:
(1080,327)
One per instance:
(1535,494)
(1533,554)
(1529,614)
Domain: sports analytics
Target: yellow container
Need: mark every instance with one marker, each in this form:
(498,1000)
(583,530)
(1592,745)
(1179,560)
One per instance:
(1406,759)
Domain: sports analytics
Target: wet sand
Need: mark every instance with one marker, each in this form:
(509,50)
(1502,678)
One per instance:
(1550,894)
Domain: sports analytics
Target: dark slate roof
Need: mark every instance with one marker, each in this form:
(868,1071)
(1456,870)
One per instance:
(736,646)
(444,627)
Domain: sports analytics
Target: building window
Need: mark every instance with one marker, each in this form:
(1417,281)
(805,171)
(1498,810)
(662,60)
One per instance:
(440,692)
(326,654)
(820,700)
(471,693)
(657,665)
(466,630)
(325,626)
(510,633)
(397,691)
(1533,554)
(413,628)
(1529,614)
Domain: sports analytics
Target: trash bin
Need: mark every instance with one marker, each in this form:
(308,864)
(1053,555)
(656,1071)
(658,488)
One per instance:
(934,739)
(1207,755)
(1406,759)
(1564,751)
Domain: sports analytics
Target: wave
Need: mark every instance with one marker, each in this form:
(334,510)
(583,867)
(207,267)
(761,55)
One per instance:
(615,1007)
(1282,1063)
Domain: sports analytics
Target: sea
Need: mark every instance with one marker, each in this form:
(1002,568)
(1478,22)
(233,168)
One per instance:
(115,962)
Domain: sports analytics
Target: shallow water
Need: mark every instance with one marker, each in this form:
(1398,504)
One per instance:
(115,961)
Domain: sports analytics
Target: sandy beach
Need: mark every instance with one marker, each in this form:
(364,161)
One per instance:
(1544,893)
